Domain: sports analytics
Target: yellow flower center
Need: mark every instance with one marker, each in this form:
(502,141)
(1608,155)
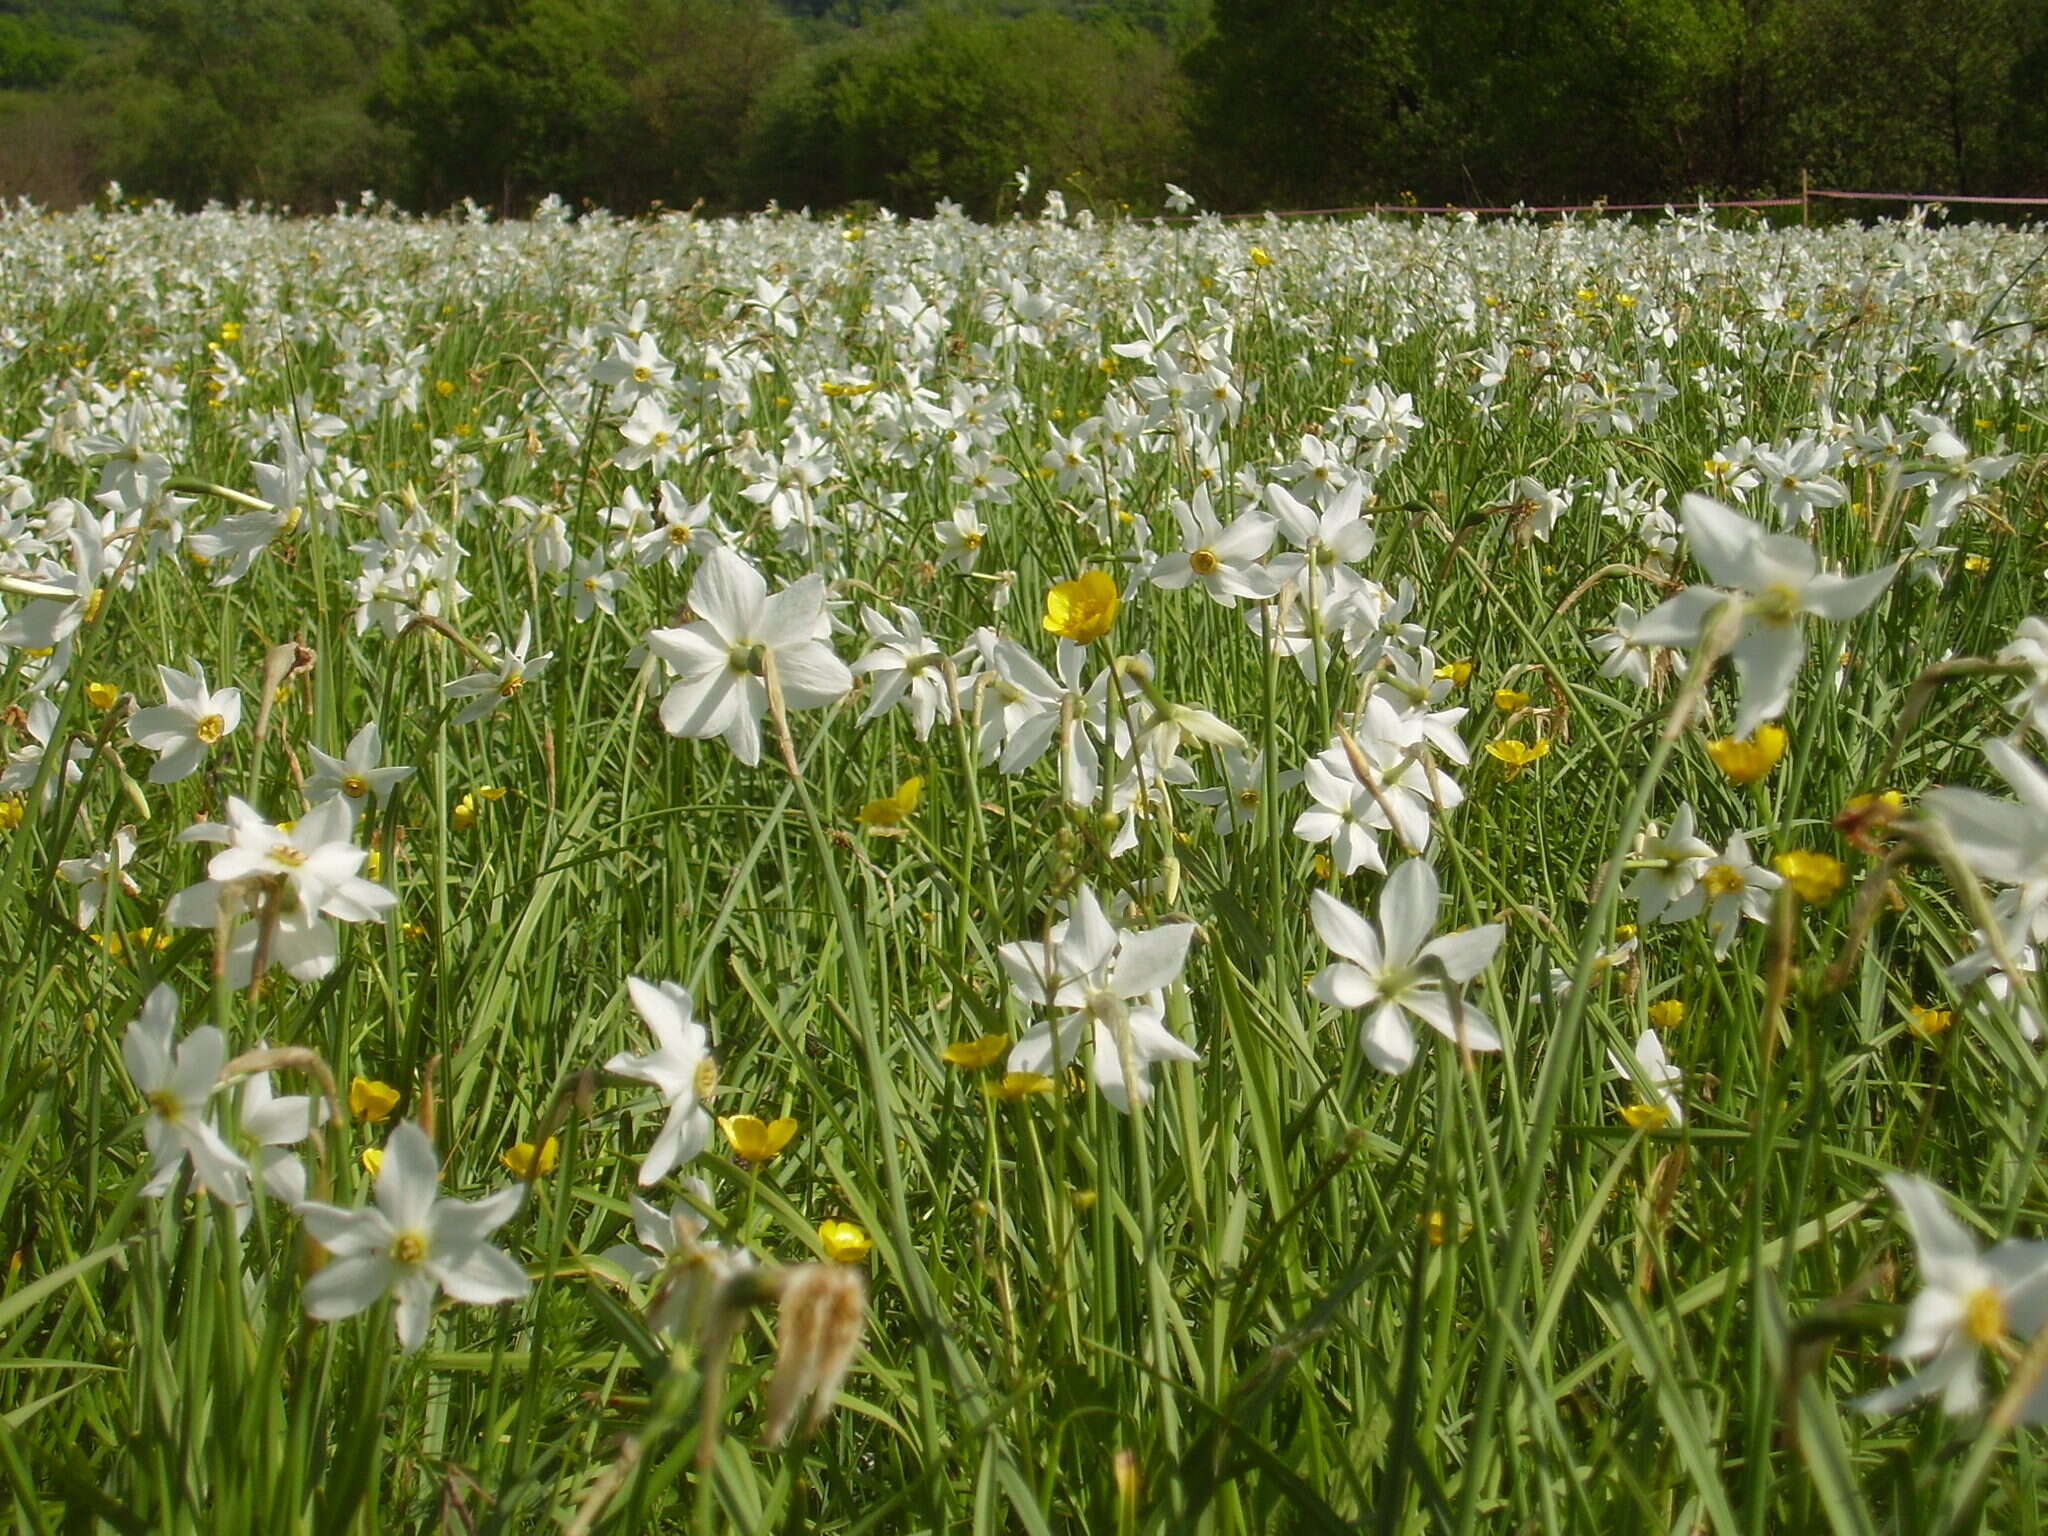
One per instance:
(511,685)
(1724,880)
(166,1104)
(355,786)
(706,1082)
(1776,604)
(1248,799)
(285,853)
(1984,1316)
(209,729)
(408,1248)
(1203,561)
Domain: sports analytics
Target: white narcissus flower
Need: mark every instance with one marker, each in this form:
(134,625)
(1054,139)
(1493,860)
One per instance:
(271,1122)
(1621,654)
(292,881)
(25,764)
(1968,1302)
(680,1068)
(175,1081)
(97,872)
(721,661)
(500,683)
(906,670)
(1345,815)
(2005,842)
(1397,972)
(411,1243)
(592,583)
(1779,583)
(187,725)
(1671,865)
(1223,560)
(356,775)
(2029,650)
(1730,888)
(1243,790)
(689,1270)
(1655,1078)
(1098,973)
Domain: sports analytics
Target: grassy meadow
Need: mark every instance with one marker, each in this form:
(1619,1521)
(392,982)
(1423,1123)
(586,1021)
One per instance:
(898,989)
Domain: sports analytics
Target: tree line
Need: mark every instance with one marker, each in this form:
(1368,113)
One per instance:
(734,104)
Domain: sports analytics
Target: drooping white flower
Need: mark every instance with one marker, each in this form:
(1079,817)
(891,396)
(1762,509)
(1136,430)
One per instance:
(680,1068)
(2028,649)
(273,1123)
(410,1243)
(906,669)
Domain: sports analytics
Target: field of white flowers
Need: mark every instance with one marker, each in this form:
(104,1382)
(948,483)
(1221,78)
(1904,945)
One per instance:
(1077,876)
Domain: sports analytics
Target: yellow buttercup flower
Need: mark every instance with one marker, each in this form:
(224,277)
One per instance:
(371,1100)
(1083,609)
(463,817)
(1667,1014)
(525,1163)
(1645,1117)
(101,695)
(844,1241)
(1748,760)
(1930,1021)
(1019,1085)
(976,1054)
(1456,673)
(12,809)
(893,810)
(1517,755)
(1508,700)
(1815,876)
(1260,256)
(754,1140)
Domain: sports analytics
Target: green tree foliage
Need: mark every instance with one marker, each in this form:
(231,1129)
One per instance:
(33,54)
(1305,101)
(1253,103)
(951,105)
(238,99)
